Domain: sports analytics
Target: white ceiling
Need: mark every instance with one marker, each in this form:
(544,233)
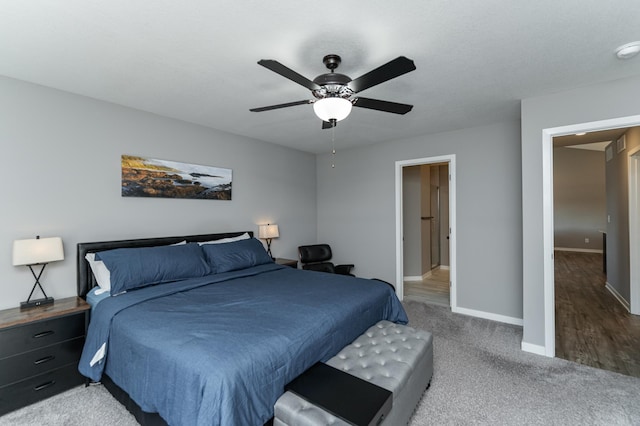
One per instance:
(596,146)
(596,141)
(195,60)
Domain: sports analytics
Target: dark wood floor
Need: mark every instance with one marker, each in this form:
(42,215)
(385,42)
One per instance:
(592,327)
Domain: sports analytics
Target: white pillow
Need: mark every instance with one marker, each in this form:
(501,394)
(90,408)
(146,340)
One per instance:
(100,271)
(244,236)
(102,274)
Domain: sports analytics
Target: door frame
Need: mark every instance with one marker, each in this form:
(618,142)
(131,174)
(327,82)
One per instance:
(547,215)
(451,161)
(634,230)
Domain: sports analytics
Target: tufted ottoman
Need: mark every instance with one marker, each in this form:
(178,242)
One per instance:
(396,357)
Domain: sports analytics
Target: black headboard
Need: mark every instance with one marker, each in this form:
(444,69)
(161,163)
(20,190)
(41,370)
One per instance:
(86,280)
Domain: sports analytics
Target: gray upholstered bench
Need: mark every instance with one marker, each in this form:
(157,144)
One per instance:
(396,357)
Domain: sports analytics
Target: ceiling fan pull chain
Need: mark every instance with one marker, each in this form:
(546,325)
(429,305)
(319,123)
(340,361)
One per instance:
(333,147)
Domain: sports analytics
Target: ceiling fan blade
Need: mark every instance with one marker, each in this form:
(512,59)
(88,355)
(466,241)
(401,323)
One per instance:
(392,69)
(289,104)
(385,106)
(329,124)
(277,67)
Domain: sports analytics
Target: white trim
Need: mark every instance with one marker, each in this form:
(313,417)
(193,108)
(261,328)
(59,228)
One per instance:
(547,211)
(443,267)
(547,236)
(488,315)
(451,160)
(399,239)
(578,250)
(634,231)
(618,296)
(413,278)
(534,349)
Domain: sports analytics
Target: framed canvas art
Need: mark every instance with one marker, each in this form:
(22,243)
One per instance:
(150,177)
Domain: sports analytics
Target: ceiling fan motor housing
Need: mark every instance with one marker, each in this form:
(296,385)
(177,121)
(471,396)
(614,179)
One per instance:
(332,85)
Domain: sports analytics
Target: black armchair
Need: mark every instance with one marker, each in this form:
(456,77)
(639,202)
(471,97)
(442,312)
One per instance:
(316,258)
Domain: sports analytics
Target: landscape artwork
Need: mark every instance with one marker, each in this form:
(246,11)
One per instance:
(149,177)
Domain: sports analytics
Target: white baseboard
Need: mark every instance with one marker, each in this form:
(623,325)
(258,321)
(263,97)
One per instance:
(579,250)
(534,349)
(412,278)
(488,315)
(618,296)
(444,267)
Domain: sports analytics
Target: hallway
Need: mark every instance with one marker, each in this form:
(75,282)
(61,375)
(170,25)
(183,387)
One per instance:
(433,289)
(592,327)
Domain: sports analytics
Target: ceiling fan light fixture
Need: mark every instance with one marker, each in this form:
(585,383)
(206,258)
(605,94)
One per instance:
(328,109)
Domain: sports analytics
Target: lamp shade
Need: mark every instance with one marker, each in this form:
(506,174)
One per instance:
(328,109)
(37,250)
(268,231)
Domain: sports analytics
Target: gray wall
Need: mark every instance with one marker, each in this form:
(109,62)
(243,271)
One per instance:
(356,210)
(617,170)
(597,102)
(579,198)
(61,177)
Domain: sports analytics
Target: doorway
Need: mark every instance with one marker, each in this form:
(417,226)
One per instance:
(592,327)
(445,226)
(547,215)
(426,232)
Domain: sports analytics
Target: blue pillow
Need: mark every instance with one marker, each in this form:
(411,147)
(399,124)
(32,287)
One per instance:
(235,255)
(138,267)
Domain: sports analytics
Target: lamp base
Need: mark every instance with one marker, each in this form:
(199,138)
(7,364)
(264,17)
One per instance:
(37,302)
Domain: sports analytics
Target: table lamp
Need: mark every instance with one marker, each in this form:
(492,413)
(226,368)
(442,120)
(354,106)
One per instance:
(37,251)
(268,232)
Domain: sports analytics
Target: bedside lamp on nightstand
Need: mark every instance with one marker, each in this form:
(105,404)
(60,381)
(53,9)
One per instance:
(37,251)
(268,232)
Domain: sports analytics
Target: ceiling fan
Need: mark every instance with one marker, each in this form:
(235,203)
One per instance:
(334,92)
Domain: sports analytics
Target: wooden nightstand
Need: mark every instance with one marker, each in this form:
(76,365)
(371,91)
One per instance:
(39,351)
(287,262)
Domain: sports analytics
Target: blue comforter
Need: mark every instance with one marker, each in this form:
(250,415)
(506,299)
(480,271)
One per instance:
(218,350)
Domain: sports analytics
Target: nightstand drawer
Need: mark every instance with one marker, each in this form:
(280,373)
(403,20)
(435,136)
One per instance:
(39,387)
(28,364)
(27,337)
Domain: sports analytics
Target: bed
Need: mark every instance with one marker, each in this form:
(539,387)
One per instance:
(215,339)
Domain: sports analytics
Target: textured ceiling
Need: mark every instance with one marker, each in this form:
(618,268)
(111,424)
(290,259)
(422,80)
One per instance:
(196,60)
